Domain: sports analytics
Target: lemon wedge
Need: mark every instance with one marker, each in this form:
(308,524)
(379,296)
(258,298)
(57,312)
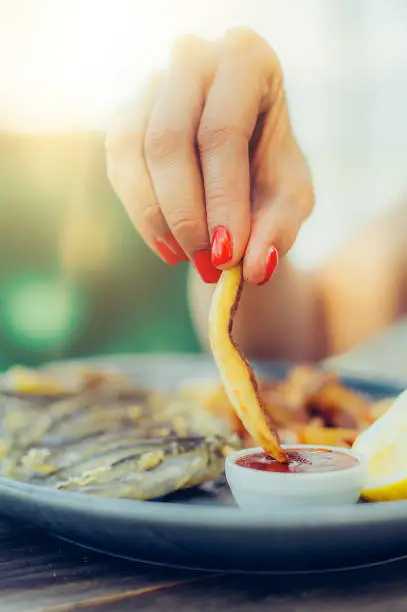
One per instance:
(384,446)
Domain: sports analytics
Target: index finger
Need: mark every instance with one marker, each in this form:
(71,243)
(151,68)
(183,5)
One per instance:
(234,101)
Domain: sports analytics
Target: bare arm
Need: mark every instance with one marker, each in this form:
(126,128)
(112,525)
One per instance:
(209,170)
(308,316)
(363,288)
(279,320)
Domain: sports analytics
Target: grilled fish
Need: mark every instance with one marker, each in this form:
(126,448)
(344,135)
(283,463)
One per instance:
(115,440)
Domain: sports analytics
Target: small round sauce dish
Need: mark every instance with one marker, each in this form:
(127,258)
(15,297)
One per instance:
(313,476)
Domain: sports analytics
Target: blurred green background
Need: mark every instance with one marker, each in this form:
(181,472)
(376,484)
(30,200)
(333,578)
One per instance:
(75,279)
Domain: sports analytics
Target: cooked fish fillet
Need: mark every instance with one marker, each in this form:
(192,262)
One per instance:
(115,441)
(137,468)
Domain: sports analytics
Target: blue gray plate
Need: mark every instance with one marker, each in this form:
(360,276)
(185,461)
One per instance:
(203,529)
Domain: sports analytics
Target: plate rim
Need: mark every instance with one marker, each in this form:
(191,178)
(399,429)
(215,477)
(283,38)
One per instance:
(195,515)
(349,376)
(191,516)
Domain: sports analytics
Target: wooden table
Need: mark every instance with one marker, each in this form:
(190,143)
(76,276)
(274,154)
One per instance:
(40,573)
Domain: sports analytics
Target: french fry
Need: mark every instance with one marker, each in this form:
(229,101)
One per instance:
(236,373)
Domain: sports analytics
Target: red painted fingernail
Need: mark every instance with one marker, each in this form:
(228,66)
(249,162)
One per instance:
(271,263)
(174,246)
(203,263)
(222,246)
(169,256)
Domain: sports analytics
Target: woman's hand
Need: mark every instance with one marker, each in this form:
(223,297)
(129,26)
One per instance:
(206,163)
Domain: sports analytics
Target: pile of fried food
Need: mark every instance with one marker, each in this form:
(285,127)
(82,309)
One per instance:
(97,432)
(310,406)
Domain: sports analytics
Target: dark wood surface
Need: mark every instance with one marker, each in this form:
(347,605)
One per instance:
(41,573)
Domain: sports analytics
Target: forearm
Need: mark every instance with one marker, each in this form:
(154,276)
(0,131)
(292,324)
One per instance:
(364,287)
(309,316)
(280,320)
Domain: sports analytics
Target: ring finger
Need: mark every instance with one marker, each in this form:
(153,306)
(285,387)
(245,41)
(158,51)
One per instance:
(128,173)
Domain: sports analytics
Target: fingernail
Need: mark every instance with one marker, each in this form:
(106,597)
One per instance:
(207,271)
(271,263)
(222,246)
(169,256)
(175,247)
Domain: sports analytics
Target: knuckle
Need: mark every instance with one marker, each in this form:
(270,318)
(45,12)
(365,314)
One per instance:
(184,228)
(286,239)
(118,142)
(146,95)
(151,216)
(273,67)
(184,46)
(217,195)
(244,41)
(127,177)
(289,233)
(123,136)
(210,137)
(275,60)
(243,38)
(309,198)
(162,144)
(153,82)
(288,227)
(305,189)
(129,122)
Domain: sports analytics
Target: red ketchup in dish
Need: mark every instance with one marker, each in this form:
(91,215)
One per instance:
(299,461)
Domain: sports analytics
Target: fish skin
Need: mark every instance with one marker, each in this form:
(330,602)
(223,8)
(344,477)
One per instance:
(113,442)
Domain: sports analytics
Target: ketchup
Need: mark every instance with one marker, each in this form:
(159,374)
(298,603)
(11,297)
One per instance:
(300,461)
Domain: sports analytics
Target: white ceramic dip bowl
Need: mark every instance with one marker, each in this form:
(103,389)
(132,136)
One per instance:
(256,491)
